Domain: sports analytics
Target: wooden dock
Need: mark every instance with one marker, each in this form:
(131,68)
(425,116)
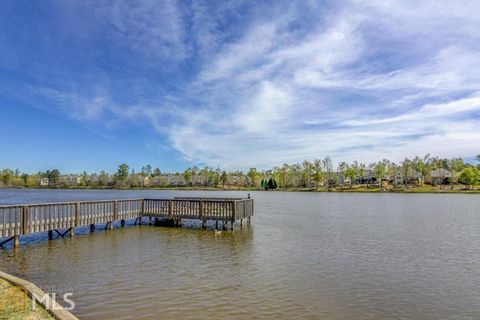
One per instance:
(63,217)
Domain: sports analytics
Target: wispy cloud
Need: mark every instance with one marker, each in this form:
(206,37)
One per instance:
(238,85)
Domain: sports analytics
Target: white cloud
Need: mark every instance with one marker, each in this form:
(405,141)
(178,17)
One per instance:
(155,30)
(357,80)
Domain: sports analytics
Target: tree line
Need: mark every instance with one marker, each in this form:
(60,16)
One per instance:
(307,174)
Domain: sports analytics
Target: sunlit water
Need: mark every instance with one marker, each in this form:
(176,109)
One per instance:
(305,256)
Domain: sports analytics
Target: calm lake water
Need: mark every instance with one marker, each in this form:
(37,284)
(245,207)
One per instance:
(305,256)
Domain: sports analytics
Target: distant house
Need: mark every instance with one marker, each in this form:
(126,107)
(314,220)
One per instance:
(146,181)
(439,176)
(71,179)
(174,179)
(43,182)
(399,177)
(343,180)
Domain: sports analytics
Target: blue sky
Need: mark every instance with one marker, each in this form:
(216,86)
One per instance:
(87,85)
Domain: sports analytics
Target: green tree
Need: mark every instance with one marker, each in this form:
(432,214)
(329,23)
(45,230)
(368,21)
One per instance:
(272,184)
(455,166)
(307,173)
(103,178)
(53,176)
(380,170)
(252,175)
(122,174)
(84,180)
(469,176)
(223,178)
(6,176)
(24,177)
(264,184)
(317,172)
(407,171)
(351,173)
(188,176)
(146,170)
(327,168)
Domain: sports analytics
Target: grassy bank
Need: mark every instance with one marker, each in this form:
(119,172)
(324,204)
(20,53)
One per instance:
(15,304)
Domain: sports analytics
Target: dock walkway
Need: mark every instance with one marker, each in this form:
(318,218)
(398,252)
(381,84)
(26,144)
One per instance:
(64,217)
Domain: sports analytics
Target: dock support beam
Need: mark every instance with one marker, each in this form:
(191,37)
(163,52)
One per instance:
(50,234)
(16,241)
(92,228)
(72,232)
(122,223)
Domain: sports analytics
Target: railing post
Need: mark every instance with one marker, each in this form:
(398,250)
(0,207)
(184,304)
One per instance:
(77,214)
(200,213)
(234,212)
(170,209)
(142,213)
(25,219)
(115,210)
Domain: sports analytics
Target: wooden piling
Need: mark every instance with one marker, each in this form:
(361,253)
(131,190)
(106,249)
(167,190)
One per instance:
(50,234)
(16,241)
(77,214)
(25,220)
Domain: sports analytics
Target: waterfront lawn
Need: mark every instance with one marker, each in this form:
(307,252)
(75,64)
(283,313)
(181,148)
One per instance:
(15,304)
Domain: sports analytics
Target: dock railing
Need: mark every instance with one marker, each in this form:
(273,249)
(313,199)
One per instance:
(17,220)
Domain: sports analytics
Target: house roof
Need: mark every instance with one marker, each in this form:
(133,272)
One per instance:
(440,173)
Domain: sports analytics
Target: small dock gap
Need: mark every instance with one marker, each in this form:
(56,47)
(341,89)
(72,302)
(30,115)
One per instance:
(63,217)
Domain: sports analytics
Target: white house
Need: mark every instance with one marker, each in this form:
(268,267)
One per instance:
(71,179)
(43,182)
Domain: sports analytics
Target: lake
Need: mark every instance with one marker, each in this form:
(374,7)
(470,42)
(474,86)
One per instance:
(305,256)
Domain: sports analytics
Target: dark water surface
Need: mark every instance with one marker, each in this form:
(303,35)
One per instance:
(305,256)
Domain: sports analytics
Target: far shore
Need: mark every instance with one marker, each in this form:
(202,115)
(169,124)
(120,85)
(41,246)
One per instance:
(344,189)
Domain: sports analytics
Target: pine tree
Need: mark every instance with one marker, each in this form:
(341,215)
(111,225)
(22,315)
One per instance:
(271,184)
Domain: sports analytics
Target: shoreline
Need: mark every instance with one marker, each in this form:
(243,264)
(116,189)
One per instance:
(416,189)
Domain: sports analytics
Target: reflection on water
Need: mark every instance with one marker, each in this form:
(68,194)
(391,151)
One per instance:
(306,255)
